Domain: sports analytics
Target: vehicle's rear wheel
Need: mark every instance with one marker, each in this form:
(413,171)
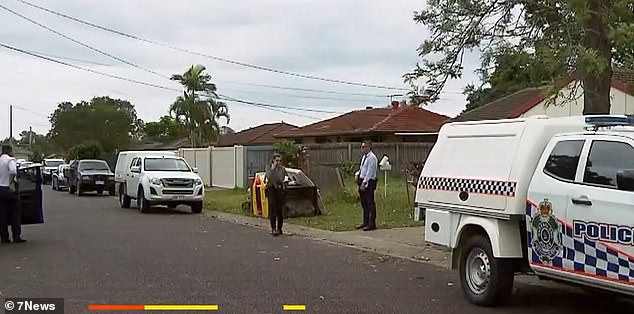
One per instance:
(124,199)
(485,280)
(197,207)
(141,202)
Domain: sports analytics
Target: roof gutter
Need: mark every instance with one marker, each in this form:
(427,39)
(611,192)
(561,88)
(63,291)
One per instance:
(414,133)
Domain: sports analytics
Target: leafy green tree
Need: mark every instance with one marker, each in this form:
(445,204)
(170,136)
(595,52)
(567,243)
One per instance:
(198,107)
(588,36)
(112,123)
(86,150)
(510,72)
(165,129)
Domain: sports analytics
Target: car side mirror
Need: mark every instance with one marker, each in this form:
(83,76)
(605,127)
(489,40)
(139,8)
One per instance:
(625,180)
(195,170)
(135,169)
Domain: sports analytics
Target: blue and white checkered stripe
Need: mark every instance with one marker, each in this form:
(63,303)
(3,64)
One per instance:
(477,186)
(585,256)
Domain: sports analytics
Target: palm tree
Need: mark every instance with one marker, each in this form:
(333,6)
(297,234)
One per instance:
(198,107)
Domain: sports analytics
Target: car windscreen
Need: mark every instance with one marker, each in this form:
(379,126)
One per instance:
(94,165)
(165,164)
(52,163)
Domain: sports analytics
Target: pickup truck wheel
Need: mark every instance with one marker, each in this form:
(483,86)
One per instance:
(485,280)
(124,199)
(142,203)
(197,207)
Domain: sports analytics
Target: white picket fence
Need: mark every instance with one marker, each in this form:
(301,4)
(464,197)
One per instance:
(218,166)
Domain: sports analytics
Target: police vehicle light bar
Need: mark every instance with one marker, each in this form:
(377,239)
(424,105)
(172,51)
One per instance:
(608,121)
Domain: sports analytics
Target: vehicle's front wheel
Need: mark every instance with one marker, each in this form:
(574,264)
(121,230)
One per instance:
(197,207)
(141,202)
(485,280)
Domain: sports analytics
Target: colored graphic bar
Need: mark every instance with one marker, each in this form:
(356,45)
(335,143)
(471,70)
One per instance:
(294,307)
(153,307)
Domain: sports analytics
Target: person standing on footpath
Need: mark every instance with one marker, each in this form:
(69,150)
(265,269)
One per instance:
(367,185)
(10,212)
(276,194)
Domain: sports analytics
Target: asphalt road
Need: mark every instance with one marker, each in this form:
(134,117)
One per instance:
(92,251)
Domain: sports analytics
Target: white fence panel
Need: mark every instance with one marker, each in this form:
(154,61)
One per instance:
(201,159)
(223,165)
(239,166)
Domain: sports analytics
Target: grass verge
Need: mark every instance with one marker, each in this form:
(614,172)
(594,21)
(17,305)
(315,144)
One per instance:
(343,210)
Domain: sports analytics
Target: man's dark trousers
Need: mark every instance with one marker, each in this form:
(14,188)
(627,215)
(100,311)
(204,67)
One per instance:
(368,204)
(10,213)
(277,201)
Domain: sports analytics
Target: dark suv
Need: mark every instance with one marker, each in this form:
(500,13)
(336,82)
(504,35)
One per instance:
(90,175)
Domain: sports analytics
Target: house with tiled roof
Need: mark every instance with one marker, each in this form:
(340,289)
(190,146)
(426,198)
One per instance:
(378,124)
(568,101)
(260,135)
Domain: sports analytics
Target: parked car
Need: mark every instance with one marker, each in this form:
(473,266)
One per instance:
(90,175)
(59,178)
(161,180)
(48,166)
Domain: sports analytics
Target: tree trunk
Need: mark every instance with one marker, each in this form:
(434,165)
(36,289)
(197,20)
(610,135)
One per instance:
(597,86)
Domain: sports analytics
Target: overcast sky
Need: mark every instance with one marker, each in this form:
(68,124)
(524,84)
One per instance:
(373,43)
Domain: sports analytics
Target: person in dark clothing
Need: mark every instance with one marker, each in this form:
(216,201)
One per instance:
(10,212)
(276,194)
(366,179)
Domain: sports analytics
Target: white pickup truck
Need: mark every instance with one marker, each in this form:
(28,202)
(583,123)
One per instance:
(551,196)
(161,180)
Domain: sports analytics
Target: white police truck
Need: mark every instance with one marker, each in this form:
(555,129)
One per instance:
(551,196)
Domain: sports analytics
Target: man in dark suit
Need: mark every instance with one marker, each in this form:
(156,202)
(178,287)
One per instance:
(10,212)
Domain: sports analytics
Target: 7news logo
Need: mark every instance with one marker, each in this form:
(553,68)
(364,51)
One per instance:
(31,305)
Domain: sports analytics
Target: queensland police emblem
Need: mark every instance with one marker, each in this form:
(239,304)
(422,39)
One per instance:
(547,239)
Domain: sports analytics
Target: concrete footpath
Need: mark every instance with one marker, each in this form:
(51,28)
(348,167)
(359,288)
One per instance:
(407,243)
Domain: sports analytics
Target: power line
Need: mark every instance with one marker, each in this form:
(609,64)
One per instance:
(72,59)
(124,61)
(79,42)
(303,89)
(206,55)
(298,96)
(272,106)
(267,106)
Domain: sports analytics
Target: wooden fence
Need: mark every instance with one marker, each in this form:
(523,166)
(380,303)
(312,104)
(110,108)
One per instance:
(324,159)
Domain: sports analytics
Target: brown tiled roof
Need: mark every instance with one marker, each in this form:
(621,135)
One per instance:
(377,120)
(259,135)
(624,76)
(507,106)
(514,105)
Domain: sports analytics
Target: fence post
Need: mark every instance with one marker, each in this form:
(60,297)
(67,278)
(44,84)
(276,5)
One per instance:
(397,164)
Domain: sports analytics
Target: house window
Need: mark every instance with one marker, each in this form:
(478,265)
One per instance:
(322,140)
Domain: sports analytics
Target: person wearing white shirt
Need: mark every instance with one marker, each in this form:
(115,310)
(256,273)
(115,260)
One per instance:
(366,180)
(9,204)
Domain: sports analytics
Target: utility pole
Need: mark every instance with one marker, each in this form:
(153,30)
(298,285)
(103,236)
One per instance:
(30,138)
(11,125)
